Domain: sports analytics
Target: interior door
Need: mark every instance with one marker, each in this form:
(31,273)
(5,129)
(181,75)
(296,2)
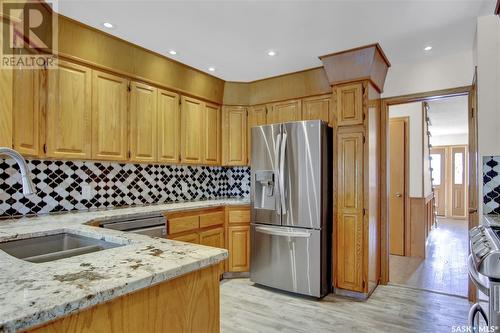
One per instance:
(438,165)
(458,189)
(300,171)
(398,137)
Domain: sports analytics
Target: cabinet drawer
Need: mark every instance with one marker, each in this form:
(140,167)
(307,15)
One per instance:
(239,216)
(181,224)
(211,219)
(189,238)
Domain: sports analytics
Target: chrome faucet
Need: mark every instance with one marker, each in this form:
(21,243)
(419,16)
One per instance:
(28,187)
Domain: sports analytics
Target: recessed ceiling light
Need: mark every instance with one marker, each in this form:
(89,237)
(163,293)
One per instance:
(172,52)
(427,48)
(271,53)
(108,25)
(211,69)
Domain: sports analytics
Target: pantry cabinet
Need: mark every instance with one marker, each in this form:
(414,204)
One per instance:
(26,108)
(281,112)
(234,135)
(168,127)
(256,117)
(348,102)
(143,123)
(316,108)
(192,134)
(109,117)
(69,111)
(211,134)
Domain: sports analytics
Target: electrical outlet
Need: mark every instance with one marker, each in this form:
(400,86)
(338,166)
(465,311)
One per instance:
(86,191)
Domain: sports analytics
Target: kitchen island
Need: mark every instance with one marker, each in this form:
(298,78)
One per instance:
(147,284)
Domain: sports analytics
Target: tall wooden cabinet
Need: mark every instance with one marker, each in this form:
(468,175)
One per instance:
(143,123)
(27,114)
(168,114)
(192,134)
(234,135)
(69,111)
(211,134)
(109,117)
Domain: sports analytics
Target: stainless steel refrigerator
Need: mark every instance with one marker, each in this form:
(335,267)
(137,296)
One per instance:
(292,207)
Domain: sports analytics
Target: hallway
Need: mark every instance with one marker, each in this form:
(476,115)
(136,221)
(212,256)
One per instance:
(445,267)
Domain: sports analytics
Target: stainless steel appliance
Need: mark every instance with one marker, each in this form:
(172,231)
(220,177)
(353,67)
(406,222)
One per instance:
(291,207)
(154,225)
(484,271)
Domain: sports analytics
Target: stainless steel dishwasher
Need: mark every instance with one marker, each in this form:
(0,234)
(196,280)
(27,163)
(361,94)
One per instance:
(154,225)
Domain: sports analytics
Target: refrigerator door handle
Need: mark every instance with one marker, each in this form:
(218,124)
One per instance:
(278,232)
(282,174)
(277,173)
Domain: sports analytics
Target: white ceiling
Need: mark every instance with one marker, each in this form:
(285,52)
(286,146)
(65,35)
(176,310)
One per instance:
(234,36)
(449,116)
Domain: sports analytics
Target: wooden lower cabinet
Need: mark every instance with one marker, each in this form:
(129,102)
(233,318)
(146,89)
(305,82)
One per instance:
(189,303)
(239,248)
(214,238)
(188,238)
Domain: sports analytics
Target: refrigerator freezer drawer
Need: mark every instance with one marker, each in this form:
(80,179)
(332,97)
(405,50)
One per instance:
(287,259)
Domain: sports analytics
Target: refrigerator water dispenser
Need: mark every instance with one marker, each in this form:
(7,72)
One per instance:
(264,190)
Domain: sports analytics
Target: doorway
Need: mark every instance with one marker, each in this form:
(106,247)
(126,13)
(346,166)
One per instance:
(423,251)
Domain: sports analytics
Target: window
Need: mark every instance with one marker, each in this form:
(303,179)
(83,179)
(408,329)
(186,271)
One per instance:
(458,173)
(436,169)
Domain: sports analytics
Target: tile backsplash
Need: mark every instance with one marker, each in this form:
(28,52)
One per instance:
(491,185)
(89,185)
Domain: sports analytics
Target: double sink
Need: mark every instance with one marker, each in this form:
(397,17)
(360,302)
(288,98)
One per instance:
(54,247)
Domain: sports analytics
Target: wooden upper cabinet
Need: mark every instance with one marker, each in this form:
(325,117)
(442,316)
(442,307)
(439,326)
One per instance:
(212,134)
(109,117)
(143,120)
(256,117)
(168,127)
(26,110)
(348,103)
(350,245)
(234,135)
(317,108)
(69,111)
(192,133)
(285,111)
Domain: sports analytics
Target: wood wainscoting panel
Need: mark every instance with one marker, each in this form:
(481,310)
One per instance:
(189,303)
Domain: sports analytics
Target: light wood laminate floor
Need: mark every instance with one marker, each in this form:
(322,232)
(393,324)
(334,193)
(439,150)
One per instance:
(249,308)
(445,266)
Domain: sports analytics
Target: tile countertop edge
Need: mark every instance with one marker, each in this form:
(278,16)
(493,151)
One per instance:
(194,258)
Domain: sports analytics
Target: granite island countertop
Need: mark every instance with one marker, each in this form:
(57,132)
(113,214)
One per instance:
(33,294)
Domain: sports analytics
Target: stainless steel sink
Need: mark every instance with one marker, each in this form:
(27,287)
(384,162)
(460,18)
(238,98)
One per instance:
(54,247)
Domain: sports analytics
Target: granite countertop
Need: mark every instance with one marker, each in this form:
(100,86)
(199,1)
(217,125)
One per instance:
(32,294)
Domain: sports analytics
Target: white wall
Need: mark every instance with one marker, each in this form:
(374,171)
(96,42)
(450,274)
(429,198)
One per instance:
(450,140)
(487,58)
(414,112)
(447,72)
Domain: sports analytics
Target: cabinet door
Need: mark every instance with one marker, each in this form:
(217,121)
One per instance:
(314,108)
(188,238)
(234,135)
(350,211)
(26,111)
(168,127)
(109,117)
(256,117)
(239,248)
(214,238)
(285,111)
(192,133)
(143,139)
(69,111)
(349,104)
(212,136)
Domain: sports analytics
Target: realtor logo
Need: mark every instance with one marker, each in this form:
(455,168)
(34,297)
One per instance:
(29,34)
